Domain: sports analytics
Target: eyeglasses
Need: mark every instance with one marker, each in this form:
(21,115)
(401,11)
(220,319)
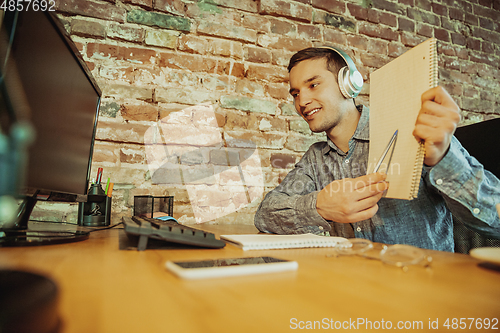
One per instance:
(398,255)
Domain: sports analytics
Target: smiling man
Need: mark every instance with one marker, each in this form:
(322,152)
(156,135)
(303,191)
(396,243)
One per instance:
(328,191)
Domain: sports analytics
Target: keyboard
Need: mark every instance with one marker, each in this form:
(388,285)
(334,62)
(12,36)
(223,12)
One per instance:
(169,231)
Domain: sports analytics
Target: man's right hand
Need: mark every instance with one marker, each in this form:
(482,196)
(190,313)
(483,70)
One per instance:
(352,200)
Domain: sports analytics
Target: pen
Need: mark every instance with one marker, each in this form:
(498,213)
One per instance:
(394,136)
(99,175)
(107,185)
(110,190)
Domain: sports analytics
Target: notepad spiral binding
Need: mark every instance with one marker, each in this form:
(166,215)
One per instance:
(417,171)
(433,73)
(433,82)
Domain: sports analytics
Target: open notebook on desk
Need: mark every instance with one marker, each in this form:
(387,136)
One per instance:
(395,101)
(269,242)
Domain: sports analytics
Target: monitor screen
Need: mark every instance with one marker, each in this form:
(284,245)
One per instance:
(63,99)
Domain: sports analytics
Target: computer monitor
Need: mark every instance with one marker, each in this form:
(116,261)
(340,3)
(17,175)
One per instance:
(480,140)
(63,103)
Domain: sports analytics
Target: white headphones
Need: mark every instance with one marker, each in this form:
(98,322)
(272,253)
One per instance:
(350,79)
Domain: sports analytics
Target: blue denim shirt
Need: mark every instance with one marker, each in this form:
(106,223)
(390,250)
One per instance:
(457,185)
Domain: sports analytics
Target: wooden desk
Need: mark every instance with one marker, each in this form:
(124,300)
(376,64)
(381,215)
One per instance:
(105,289)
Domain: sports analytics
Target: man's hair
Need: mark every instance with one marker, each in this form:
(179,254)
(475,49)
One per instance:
(334,62)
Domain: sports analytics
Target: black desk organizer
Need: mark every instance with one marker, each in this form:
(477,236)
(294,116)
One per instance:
(96,212)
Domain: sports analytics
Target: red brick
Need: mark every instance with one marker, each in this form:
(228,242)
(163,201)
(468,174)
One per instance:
(293,10)
(487,47)
(411,40)
(133,154)
(90,8)
(141,112)
(169,6)
(486,23)
(439,9)
(87,28)
(141,3)
(285,43)
(256,22)
(406,25)
(358,42)
(410,3)
(388,19)
(382,17)
(468,67)
(424,30)
(309,31)
(358,12)
(458,39)
(480,57)
(223,67)
(335,36)
(333,6)
(486,12)
(188,62)
(225,48)
(121,132)
(373,60)
(278,91)
(396,49)
(378,31)
(233,32)
(90,65)
(442,34)
(257,54)
(105,152)
(377,46)
(446,49)
(424,4)
(456,14)
(389,6)
(267,73)
(451,63)
(238,70)
(474,44)
(121,52)
(487,35)
(471,19)
(193,44)
(453,88)
(282,27)
(126,33)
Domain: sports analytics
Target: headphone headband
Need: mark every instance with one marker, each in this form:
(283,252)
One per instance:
(350,79)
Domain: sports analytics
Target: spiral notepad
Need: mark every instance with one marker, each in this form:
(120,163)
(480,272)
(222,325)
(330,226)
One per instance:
(272,242)
(395,101)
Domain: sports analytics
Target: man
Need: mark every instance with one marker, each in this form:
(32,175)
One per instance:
(329,191)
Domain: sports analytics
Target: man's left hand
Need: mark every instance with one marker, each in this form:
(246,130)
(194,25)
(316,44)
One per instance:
(436,122)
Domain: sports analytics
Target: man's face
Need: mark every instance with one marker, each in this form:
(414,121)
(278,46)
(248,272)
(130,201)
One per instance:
(317,95)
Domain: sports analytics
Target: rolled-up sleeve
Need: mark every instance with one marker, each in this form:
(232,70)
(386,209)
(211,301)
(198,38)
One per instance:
(291,207)
(471,192)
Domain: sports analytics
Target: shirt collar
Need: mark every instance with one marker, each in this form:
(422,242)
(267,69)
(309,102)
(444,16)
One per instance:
(362,130)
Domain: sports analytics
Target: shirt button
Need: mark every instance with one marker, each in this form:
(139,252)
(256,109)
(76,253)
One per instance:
(439,181)
(347,161)
(476,211)
(358,229)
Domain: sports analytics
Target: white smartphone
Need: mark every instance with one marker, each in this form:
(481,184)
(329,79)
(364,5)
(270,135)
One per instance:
(201,269)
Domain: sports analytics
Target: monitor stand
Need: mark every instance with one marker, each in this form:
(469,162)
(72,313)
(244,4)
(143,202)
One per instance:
(18,234)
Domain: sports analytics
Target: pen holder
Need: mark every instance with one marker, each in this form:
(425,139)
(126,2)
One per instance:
(96,212)
(147,205)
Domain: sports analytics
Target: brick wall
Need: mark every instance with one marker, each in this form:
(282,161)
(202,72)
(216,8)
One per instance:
(192,89)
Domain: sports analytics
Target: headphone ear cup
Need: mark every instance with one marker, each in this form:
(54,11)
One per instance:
(343,84)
